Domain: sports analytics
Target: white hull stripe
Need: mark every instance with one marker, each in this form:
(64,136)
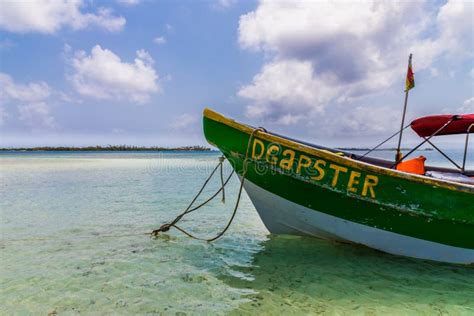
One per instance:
(281,216)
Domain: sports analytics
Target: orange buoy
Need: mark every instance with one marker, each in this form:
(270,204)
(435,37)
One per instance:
(415,165)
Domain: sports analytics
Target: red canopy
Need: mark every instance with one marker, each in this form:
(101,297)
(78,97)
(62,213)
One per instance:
(428,125)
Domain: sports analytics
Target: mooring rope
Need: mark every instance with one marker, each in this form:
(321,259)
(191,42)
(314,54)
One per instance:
(2,242)
(189,209)
(221,160)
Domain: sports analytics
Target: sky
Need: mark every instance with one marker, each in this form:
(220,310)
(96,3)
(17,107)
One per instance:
(140,72)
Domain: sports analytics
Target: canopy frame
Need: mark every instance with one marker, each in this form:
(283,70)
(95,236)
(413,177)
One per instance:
(445,155)
(427,139)
(462,168)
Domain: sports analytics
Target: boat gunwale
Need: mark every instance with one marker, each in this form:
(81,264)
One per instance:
(455,186)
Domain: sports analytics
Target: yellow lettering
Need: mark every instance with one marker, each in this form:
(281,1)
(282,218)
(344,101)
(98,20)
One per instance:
(301,164)
(287,163)
(317,166)
(336,169)
(271,151)
(353,180)
(262,149)
(369,184)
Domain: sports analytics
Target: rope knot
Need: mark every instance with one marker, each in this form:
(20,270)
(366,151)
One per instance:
(190,208)
(163,228)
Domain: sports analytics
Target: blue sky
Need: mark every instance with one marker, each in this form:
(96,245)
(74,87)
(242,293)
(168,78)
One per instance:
(140,72)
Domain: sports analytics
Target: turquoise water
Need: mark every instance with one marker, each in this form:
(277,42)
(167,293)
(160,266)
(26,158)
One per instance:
(60,211)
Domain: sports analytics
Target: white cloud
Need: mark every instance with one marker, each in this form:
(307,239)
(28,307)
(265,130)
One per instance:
(48,16)
(366,120)
(30,100)
(67,98)
(32,92)
(455,20)
(159,40)
(129,3)
(326,52)
(434,72)
(467,106)
(103,75)
(224,4)
(183,121)
(286,87)
(36,114)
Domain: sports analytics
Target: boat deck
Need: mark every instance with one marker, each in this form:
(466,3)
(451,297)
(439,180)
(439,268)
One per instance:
(431,171)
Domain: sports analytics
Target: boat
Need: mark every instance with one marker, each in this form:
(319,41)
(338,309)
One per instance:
(299,188)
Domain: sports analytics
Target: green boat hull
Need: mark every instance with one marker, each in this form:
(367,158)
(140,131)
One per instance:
(299,189)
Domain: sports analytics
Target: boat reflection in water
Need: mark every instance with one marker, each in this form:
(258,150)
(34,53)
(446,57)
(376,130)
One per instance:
(305,275)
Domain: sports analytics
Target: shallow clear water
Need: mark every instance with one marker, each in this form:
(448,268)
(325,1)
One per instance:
(59,212)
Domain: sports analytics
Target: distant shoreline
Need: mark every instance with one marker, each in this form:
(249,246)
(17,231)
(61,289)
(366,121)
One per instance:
(157,148)
(109,148)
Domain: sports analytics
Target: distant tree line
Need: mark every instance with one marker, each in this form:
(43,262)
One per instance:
(110,148)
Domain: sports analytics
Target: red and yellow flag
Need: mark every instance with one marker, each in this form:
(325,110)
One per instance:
(410,81)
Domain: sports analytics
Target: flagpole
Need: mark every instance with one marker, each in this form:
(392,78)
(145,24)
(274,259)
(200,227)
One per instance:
(398,155)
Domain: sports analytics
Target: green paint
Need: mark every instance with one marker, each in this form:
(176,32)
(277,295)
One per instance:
(404,206)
